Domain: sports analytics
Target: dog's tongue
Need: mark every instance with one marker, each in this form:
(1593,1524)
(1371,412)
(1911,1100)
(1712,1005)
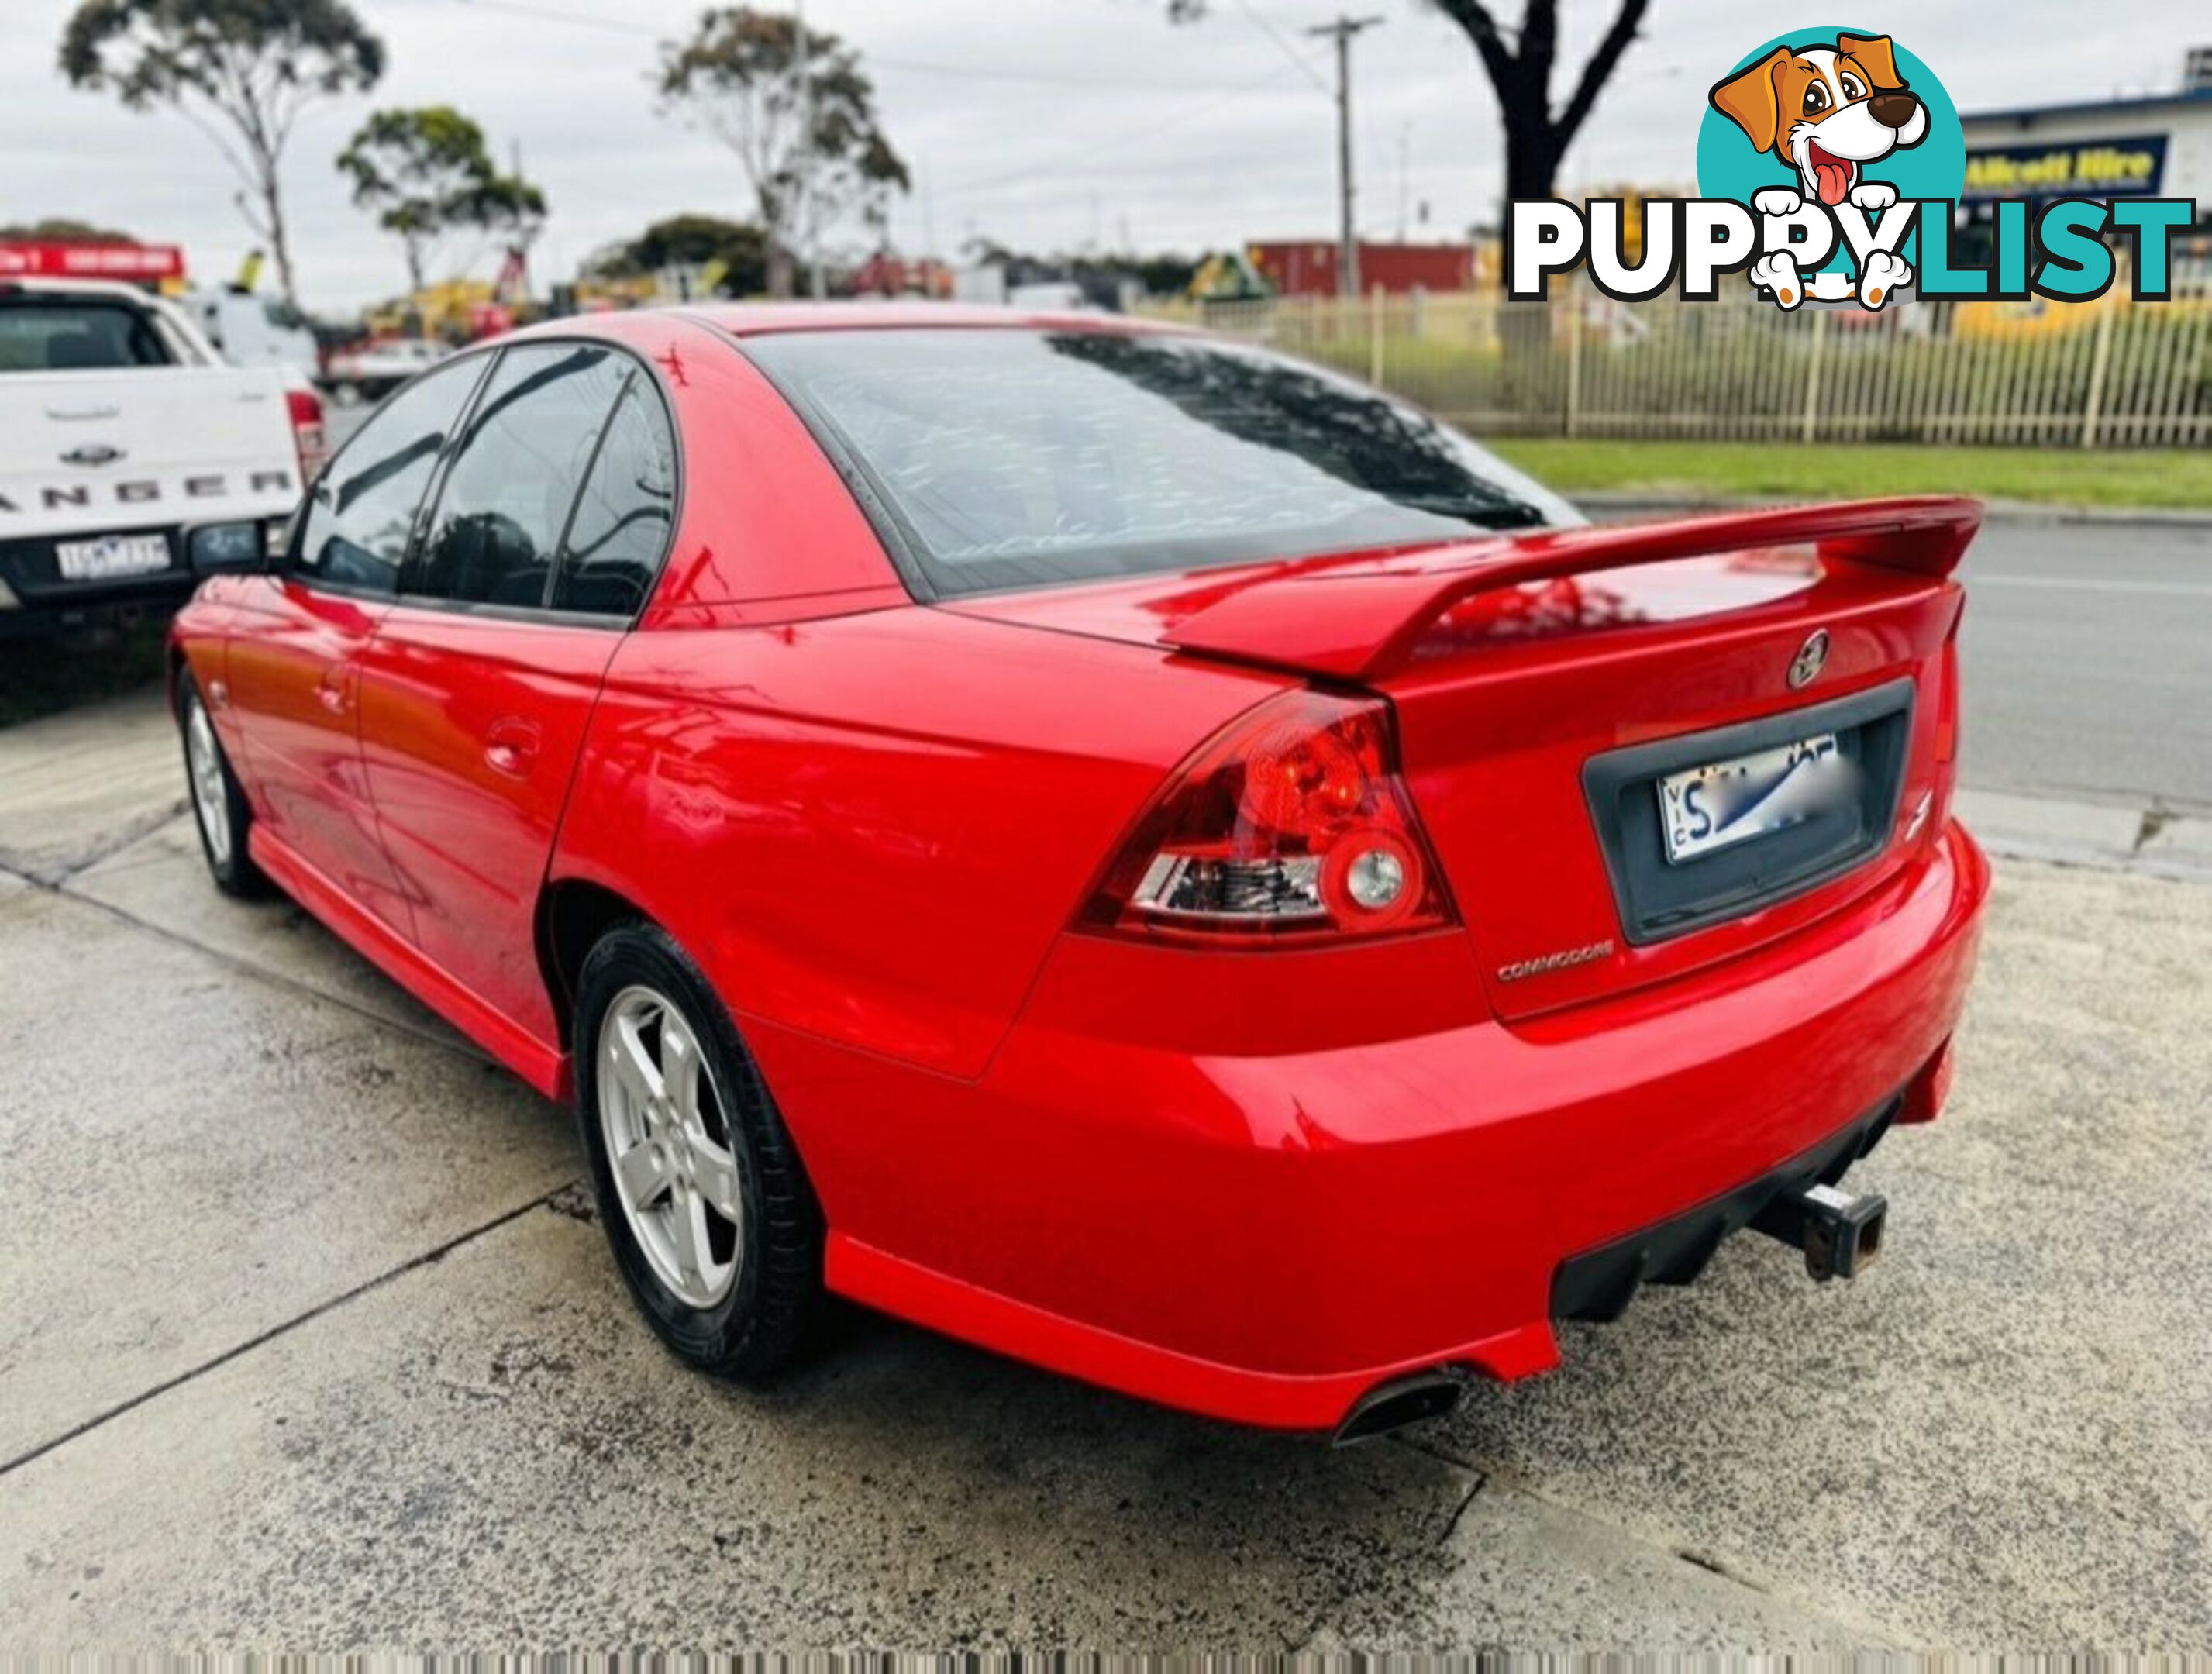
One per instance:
(1835,180)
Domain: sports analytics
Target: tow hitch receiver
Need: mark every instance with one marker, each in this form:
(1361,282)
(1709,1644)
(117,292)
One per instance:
(1840,1232)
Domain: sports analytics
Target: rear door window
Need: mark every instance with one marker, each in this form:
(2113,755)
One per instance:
(622,524)
(529,443)
(363,507)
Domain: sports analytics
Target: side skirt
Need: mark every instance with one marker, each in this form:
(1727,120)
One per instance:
(545,1068)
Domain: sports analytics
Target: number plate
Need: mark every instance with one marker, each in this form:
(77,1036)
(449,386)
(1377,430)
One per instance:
(1716,807)
(112,556)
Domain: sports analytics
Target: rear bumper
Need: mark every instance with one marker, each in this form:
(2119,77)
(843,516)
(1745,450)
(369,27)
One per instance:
(1267,1238)
(1601,1283)
(45,601)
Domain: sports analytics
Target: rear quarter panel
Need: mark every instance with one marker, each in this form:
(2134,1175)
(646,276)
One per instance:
(871,829)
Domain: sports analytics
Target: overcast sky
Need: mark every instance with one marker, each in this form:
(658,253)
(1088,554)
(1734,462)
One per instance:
(1043,123)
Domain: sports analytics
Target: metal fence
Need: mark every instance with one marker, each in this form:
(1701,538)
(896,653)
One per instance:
(2109,374)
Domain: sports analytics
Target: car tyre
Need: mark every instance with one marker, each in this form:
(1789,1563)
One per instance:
(705,1205)
(221,812)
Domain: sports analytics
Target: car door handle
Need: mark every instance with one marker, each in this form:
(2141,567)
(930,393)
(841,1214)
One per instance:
(330,692)
(510,747)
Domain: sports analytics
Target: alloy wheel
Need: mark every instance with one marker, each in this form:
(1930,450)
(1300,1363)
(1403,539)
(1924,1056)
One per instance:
(210,798)
(668,1147)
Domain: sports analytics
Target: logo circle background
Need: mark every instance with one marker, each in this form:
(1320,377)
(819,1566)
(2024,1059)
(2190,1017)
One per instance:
(1729,165)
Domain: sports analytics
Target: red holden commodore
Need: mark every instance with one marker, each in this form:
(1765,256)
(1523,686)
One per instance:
(1119,846)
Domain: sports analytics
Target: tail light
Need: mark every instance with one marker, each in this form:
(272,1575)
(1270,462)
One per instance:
(1947,729)
(1290,826)
(309,439)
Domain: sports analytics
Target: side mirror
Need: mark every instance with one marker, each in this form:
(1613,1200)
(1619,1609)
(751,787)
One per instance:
(249,548)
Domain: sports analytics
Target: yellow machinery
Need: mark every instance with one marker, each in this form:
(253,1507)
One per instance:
(1228,276)
(447,310)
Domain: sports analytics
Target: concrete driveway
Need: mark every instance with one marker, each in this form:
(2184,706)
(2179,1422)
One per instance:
(306,1340)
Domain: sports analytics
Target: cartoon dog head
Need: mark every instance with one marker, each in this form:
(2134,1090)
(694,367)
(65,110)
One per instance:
(1826,110)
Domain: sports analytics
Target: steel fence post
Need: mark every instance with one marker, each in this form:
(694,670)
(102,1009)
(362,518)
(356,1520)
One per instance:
(1574,358)
(1375,337)
(2100,360)
(1813,377)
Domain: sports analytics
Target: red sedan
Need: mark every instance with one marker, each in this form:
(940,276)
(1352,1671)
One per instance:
(1121,846)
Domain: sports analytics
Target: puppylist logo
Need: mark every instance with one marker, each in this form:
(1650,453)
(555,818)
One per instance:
(1835,124)
(1830,166)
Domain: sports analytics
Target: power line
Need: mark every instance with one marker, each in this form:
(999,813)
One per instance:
(1161,125)
(1044,78)
(1289,49)
(870,59)
(1224,92)
(551,14)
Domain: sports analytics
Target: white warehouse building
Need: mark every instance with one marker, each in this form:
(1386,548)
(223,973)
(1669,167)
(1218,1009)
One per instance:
(2157,145)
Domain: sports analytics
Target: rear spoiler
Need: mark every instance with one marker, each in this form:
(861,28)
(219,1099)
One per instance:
(1356,618)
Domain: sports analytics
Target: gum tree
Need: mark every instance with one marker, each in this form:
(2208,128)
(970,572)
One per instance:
(242,70)
(806,136)
(425,174)
(690,240)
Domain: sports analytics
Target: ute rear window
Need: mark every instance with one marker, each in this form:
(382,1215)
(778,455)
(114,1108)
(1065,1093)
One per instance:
(1013,457)
(37,336)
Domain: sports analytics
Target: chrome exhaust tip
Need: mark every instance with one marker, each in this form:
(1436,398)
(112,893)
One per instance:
(1394,1405)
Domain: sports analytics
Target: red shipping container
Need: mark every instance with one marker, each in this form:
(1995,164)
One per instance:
(1308,267)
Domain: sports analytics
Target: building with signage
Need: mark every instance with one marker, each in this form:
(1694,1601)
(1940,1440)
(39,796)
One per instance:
(2154,146)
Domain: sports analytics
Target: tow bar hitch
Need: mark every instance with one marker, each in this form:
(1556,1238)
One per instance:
(1840,1232)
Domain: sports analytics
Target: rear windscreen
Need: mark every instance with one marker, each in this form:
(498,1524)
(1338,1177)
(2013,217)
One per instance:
(75,337)
(1008,458)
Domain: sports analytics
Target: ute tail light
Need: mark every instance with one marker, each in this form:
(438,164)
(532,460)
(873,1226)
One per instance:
(1290,826)
(309,439)
(1946,783)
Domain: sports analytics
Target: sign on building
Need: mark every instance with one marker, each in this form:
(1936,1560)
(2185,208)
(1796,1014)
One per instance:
(2130,167)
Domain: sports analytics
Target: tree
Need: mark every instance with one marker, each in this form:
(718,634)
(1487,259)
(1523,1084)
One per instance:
(1164,274)
(60,229)
(1520,70)
(740,77)
(1535,139)
(690,240)
(426,173)
(243,70)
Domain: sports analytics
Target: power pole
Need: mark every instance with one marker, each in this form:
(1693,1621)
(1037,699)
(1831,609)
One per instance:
(813,252)
(525,236)
(1347,245)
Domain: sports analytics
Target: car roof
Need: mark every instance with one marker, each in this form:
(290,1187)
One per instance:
(113,289)
(747,319)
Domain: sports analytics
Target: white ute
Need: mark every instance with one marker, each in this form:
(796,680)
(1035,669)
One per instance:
(120,427)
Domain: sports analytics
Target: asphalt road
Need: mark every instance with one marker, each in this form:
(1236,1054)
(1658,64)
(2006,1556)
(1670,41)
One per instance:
(308,1340)
(2088,651)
